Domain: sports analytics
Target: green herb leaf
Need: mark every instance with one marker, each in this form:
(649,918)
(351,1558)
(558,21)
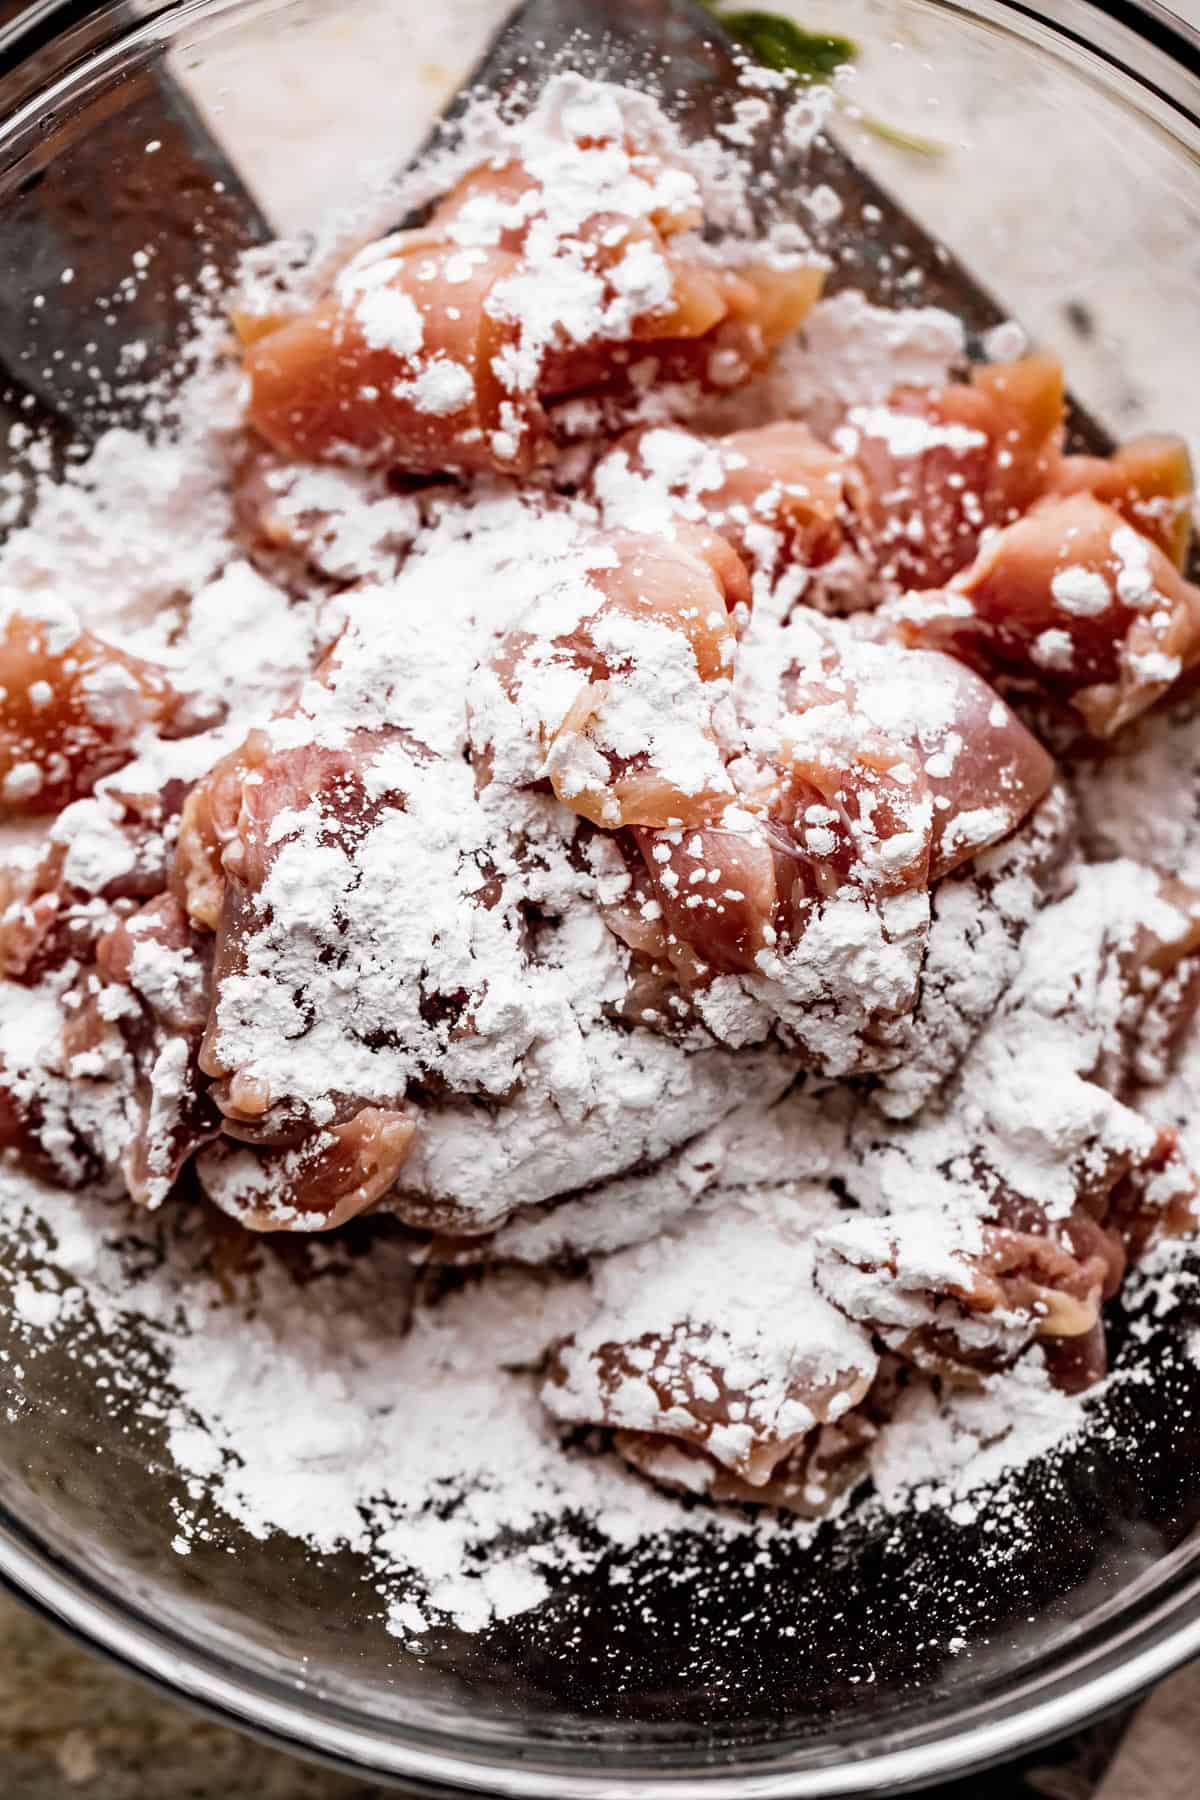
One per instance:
(808,56)
(811,57)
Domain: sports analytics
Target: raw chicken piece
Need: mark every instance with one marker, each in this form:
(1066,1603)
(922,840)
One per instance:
(1073,601)
(331,1176)
(984,1298)
(1148,481)
(71,708)
(885,770)
(822,1470)
(395,366)
(613,688)
(438,348)
(777,493)
(209,824)
(301,1174)
(1009,1213)
(234,824)
(103,855)
(714,1335)
(939,466)
(160,958)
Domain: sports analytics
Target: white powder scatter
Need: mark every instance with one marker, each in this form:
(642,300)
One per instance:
(389,320)
(807,115)
(1155,667)
(904,434)
(689,1227)
(23,782)
(969,830)
(38,1307)
(1005,342)
(98,852)
(1084,593)
(935,1453)
(1135,583)
(245,643)
(285,1416)
(349,524)
(443,387)
(132,531)
(851,353)
(824,203)
(1053,649)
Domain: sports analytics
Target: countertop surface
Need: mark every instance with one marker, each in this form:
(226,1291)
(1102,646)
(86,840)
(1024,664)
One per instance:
(71,1724)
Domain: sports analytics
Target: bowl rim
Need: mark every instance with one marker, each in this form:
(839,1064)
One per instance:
(1129,1663)
(1128,1657)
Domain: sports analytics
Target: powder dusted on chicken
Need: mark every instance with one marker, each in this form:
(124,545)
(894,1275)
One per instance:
(777,493)
(573,266)
(1147,480)
(163,963)
(615,690)
(346,524)
(1074,601)
(977,1299)
(402,928)
(980,915)
(543,868)
(71,708)
(938,467)
(863,774)
(1007,1212)
(714,1334)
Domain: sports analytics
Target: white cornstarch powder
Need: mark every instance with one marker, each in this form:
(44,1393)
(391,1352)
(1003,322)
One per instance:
(727,1218)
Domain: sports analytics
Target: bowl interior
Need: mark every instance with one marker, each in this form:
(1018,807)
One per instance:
(797,1659)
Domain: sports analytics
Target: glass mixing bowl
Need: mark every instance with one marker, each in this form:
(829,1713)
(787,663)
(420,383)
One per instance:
(1068,177)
